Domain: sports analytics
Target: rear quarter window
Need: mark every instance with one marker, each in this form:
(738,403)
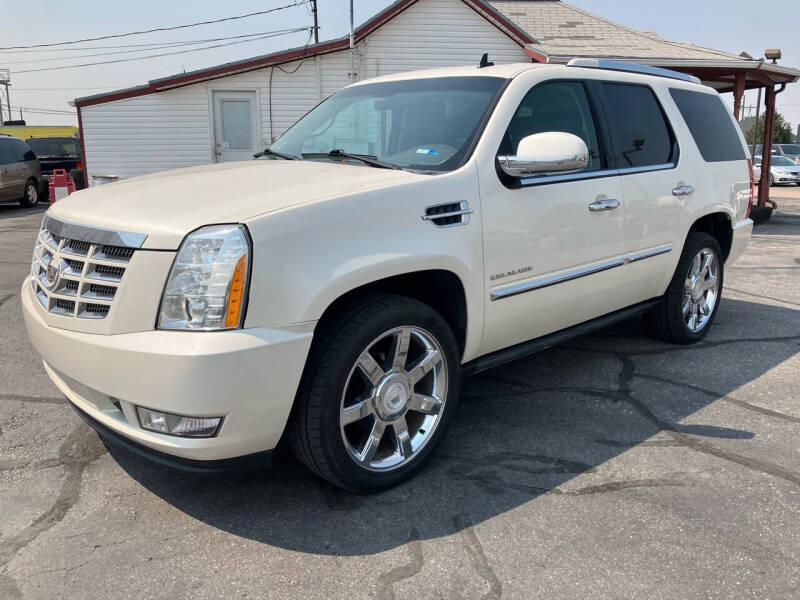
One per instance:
(710,125)
(639,131)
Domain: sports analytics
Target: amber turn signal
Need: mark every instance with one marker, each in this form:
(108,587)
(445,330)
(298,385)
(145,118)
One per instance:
(236,293)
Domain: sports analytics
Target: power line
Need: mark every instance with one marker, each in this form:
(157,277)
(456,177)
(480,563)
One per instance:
(153,47)
(121,60)
(54,111)
(172,28)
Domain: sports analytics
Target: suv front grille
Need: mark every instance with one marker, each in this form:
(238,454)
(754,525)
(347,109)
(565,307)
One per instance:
(75,278)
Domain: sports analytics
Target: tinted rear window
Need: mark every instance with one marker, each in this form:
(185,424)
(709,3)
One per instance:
(6,153)
(711,127)
(641,136)
(60,147)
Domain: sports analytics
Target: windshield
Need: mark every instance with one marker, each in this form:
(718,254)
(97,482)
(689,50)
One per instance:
(782,161)
(421,124)
(790,148)
(53,146)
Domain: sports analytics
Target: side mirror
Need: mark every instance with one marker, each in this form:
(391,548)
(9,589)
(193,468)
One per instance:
(549,152)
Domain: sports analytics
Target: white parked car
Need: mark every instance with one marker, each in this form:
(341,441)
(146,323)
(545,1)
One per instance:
(408,231)
(782,171)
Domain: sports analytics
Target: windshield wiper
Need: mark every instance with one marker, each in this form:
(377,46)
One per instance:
(269,151)
(367,159)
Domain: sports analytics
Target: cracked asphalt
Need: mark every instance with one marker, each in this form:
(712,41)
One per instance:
(615,466)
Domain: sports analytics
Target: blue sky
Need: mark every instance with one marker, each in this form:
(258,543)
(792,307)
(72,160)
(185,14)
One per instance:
(729,25)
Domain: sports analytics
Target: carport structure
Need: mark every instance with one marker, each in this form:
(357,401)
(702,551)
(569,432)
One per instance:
(561,32)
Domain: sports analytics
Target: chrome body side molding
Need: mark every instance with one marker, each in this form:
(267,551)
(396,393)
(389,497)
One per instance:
(542,282)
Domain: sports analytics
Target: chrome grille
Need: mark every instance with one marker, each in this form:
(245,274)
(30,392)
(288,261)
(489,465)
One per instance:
(76,278)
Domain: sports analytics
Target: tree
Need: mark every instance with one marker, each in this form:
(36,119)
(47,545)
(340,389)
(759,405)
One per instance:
(783,130)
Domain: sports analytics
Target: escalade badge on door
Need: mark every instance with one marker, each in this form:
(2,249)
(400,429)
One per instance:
(511,272)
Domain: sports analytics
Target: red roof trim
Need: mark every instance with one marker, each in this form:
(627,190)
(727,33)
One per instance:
(537,56)
(83,150)
(480,6)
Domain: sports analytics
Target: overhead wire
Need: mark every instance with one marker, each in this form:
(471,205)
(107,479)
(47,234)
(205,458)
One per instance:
(154,47)
(121,60)
(155,29)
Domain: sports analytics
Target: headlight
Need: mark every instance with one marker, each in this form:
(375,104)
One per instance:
(206,287)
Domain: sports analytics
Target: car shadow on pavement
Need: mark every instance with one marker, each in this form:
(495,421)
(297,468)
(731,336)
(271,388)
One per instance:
(541,425)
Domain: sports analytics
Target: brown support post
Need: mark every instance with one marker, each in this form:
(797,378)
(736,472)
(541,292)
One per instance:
(766,148)
(738,92)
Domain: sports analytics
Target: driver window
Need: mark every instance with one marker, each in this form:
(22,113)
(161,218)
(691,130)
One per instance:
(555,106)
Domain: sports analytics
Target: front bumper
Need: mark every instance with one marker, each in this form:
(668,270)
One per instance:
(741,237)
(248,376)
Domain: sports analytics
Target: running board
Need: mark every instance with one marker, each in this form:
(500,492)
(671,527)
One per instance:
(495,359)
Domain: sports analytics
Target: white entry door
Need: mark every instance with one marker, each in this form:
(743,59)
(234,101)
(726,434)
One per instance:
(235,126)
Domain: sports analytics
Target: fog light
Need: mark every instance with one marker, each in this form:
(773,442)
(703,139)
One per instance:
(179,425)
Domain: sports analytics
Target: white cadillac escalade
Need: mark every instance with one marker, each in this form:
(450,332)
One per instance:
(408,231)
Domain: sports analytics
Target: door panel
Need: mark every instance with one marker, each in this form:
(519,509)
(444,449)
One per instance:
(563,254)
(647,156)
(235,126)
(550,261)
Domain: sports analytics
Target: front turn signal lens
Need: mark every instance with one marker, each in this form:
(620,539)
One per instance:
(236,293)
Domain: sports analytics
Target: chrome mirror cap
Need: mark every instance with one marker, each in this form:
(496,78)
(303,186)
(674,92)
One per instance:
(546,153)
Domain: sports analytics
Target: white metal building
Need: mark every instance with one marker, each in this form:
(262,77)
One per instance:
(231,111)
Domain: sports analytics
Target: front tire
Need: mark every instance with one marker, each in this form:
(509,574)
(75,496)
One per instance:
(771,181)
(693,295)
(377,395)
(31,196)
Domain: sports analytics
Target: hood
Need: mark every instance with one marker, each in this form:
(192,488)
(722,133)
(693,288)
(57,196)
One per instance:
(166,206)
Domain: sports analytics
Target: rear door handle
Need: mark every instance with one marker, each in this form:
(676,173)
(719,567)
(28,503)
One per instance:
(683,190)
(607,204)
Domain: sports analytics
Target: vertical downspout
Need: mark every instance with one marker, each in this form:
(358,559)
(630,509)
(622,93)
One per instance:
(319,77)
(352,46)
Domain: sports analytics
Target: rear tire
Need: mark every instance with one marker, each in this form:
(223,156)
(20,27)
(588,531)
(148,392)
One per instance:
(31,196)
(378,393)
(693,295)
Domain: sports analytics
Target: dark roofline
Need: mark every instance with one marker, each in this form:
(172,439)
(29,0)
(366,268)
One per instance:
(482,7)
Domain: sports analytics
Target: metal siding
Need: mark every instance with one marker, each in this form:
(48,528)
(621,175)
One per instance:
(437,33)
(147,134)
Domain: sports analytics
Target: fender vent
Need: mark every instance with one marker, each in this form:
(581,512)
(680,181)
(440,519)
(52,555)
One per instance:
(448,215)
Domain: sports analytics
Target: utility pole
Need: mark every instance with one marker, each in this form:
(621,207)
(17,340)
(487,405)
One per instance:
(316,23)
(5,80)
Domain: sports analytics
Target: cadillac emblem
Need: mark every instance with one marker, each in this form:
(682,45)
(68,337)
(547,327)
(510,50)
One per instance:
(53,272)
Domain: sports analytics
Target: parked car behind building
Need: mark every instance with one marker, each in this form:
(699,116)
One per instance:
(20,172)
(59,153)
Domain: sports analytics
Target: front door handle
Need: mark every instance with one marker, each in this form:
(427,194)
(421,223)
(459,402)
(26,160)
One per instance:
(683,190)
(607,204)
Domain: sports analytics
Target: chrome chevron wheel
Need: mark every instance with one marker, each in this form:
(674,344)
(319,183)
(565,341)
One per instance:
(393,398)
(700,290)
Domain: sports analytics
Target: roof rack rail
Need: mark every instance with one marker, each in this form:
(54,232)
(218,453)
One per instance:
(618,65)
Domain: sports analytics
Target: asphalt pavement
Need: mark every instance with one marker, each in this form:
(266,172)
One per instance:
(614,466)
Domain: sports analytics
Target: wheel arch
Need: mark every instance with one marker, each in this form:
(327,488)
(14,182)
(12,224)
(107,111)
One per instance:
(441,289)
(719,225)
